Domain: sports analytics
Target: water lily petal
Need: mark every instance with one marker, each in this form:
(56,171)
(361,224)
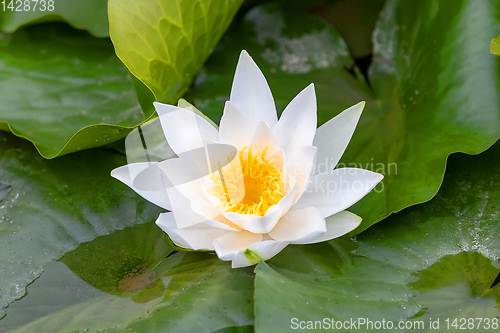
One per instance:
(278,159)
(337,225)
(333,137)
(264,137)
(263,224)
(197,237)
(184,130)
(297,125)
(211,214)
(301,166)
(229,244)
(266,223)
(235,127)
(250,92)
(300,225)
(237,218)
(185,176)
(338,190)
(256,252)
(148,180)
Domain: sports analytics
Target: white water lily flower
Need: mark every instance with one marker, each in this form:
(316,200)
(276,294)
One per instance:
(251,187)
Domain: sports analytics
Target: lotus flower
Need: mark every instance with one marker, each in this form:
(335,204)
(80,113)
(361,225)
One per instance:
(251,187)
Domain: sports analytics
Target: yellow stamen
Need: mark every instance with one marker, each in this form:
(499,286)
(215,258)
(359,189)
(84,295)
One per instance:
(251,187)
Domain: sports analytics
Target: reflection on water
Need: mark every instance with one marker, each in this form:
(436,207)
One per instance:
(128,278)
(110,279)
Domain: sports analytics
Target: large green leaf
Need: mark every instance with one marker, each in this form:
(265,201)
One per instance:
(179,293)
(59,88)
(91,15)
(433,92)
(164,43)
(59,301)
(443,97)
(443,252)
(52,206)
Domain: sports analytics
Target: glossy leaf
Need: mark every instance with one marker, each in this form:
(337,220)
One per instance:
(61,88)
(91,15)
(55,205)
(131,269)
(164,43)
(59,301)
(433,92)
(457,286)
(442,252)
(443,98)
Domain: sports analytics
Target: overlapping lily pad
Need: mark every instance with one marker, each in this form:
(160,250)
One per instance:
(60,88)
(436,260)
(52,206)
(164,43)
(71,92)
(185,292)
(433,93)
(403,269)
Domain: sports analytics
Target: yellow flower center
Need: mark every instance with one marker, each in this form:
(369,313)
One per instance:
(250,187)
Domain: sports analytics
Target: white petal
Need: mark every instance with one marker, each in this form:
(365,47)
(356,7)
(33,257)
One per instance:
(186,218)
(235,127)
(222,223)
(333,137)
(191,171)
(231,243)
(301,225)
(258,251)
(297,125)
(266,223)
(263,224)
(251,93)
(197,237)
(337,225)
(301,166)
(184,130)
(147,143)
(264,137)
(182,103)
(278,159)
(185,176)
(148,180)
(237,218)
(212,215)
(334,192)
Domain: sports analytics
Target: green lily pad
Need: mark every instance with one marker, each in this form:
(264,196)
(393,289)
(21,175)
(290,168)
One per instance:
(91,15)
(164,43)
(428,262)
(60,89)
(457,288)
(55,205)
(432,93)
(130,269)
